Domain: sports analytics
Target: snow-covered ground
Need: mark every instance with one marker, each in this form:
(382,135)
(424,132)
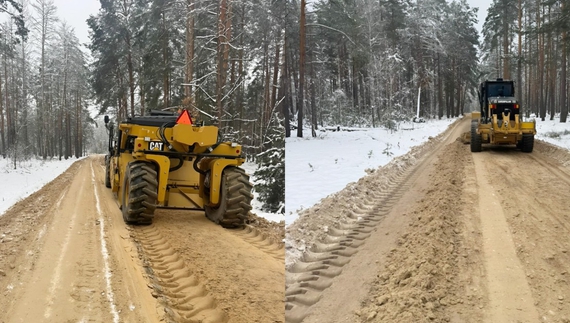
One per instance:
(30,176)
(554,132)
(318,167)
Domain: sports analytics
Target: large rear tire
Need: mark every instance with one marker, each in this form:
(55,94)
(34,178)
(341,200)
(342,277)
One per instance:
(139,193)
(475,138)
(107,172)
(527,143)
(235,199)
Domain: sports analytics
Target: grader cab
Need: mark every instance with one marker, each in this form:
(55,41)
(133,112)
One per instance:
(166,160)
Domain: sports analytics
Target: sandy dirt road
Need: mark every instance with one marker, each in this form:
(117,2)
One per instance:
(67,256)
(439,235)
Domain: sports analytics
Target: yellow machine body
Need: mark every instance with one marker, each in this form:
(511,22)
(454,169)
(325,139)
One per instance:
(503,133)
(183,187)
(499,121)
(178,165)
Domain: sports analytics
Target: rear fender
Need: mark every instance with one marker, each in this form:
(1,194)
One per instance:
(163,170)
(216,168)
(118,168)
(475,116)
(528,127)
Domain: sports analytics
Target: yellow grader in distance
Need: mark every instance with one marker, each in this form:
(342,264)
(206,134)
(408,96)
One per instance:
(165,160)
(499,121)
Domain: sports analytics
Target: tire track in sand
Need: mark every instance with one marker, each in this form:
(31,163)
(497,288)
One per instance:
(313,273)
(66,281)
(184,297)
(529,187)
(91,270)
(261,241)
(510,297)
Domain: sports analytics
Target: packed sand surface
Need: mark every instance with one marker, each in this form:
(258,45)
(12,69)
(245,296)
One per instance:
(67,256)
(438,235)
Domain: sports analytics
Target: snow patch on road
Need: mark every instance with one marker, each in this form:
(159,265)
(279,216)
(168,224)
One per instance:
(42,232)
(105,252)
(60,199)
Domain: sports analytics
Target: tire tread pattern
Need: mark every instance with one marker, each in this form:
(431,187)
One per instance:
(235,201)
(527,143)
(142,193)
(475,138)
(107,172)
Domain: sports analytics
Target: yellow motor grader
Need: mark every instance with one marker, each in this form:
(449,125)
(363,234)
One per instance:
(500,121)
(166,160)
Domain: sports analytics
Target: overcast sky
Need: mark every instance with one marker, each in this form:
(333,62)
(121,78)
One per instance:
(75,13)
(483,5)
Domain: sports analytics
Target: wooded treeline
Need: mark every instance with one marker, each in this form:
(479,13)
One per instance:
(43,84)
(365,60)
(527,41)
(222,57)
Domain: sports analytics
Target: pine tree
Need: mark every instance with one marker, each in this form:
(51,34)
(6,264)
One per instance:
(270,174)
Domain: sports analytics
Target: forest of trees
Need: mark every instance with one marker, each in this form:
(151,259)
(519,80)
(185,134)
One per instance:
(220,57)
(526,41)
(43,84)
(365,61)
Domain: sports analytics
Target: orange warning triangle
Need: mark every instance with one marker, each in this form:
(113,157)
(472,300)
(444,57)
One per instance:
(184,118)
